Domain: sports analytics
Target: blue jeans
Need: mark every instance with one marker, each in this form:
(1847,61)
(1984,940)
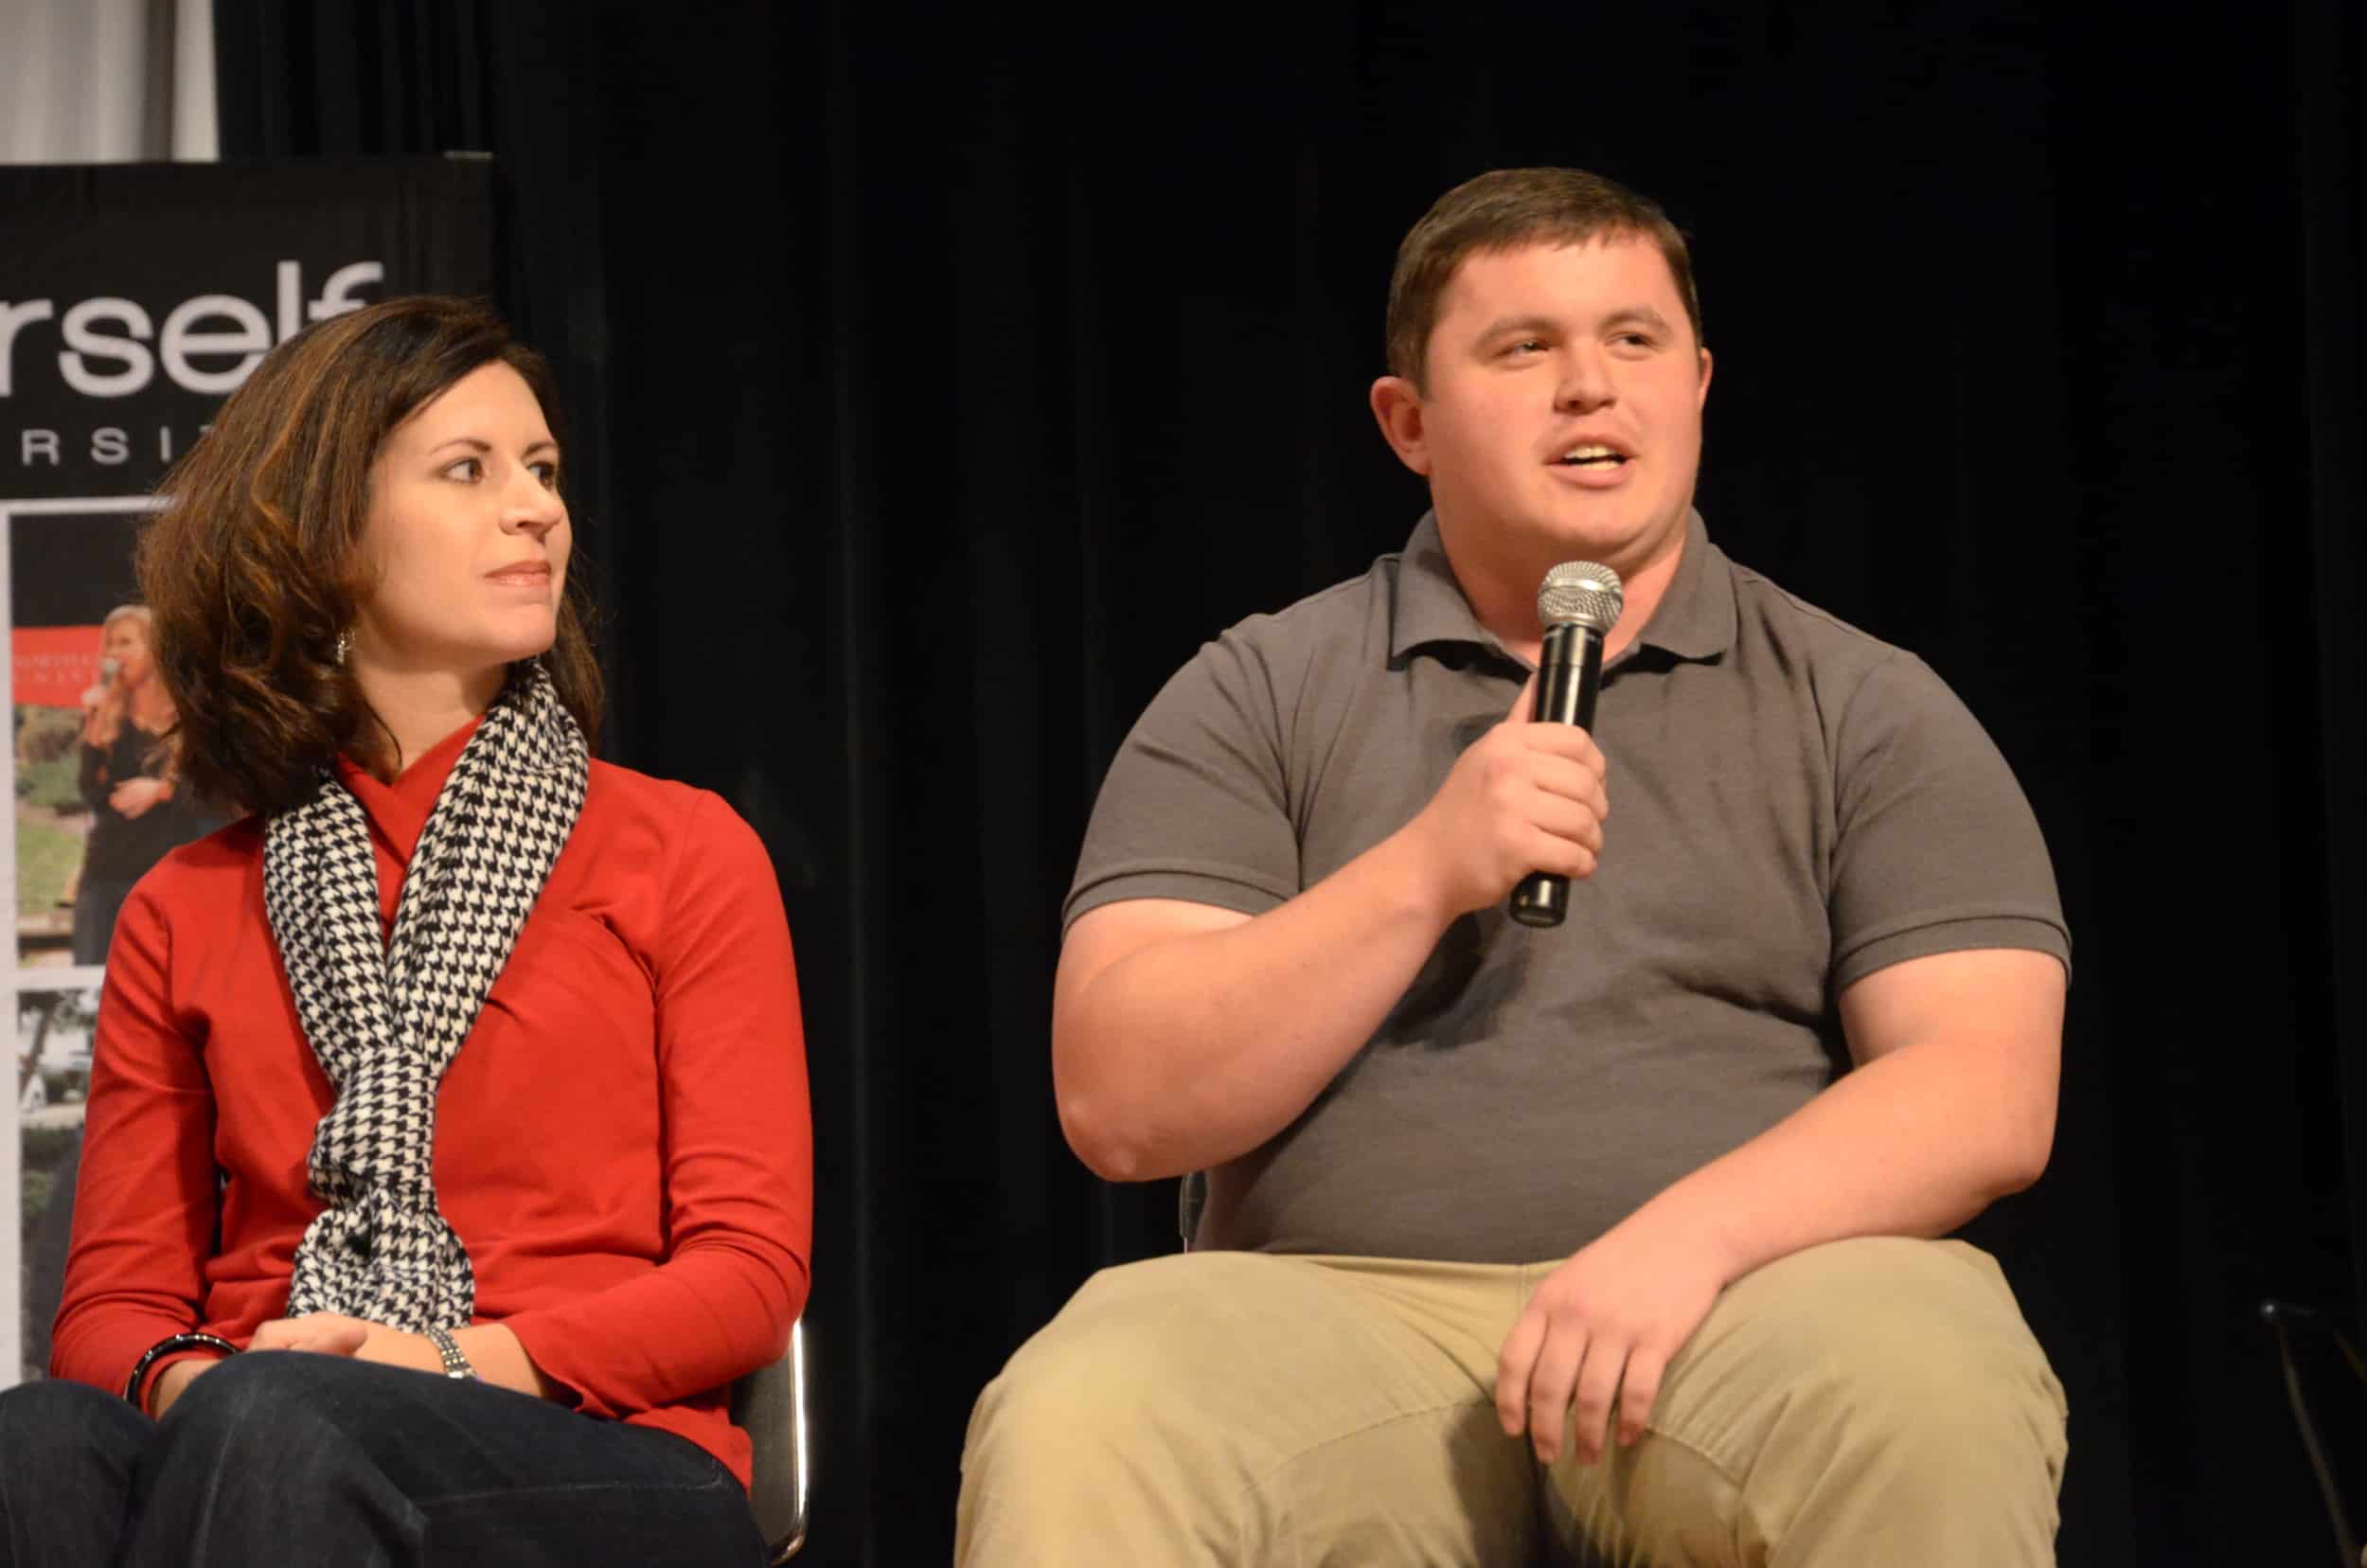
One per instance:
(285,1456)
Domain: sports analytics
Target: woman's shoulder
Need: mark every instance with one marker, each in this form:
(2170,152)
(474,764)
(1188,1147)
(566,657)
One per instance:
(660,847)
(615,788)
(232,852)
(637,804)
(201,880)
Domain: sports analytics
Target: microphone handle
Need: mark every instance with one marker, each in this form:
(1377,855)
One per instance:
(1568,674)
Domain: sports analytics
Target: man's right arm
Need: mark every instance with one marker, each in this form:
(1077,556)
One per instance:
(1185,1035)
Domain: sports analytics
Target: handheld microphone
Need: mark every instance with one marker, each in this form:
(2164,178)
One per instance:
(1580,603)
(95,693)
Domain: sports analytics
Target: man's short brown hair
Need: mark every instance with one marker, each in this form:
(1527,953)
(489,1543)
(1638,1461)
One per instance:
(255,561)
(1509,207)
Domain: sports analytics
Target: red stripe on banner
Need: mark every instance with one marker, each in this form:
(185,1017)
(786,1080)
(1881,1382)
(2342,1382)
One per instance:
(55,665)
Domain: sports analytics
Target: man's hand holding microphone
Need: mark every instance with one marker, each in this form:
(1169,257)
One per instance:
(1521,811)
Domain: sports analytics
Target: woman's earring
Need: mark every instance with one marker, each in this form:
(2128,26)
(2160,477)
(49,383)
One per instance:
(345,643)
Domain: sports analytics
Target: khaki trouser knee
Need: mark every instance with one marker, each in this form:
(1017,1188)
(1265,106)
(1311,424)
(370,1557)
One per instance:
(1237,1408)
(1866,1402)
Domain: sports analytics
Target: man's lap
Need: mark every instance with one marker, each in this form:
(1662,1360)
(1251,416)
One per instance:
(1254,1379)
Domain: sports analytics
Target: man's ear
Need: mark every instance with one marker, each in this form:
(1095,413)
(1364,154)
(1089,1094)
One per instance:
(1701,392)
(1397,408)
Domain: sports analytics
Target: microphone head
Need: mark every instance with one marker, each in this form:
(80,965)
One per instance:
(1580,592)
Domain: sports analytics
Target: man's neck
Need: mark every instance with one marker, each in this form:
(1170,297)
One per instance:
(1502,588)
(421,708)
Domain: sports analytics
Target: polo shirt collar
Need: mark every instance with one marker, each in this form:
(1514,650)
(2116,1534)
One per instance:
(1695,619)
(1430,604)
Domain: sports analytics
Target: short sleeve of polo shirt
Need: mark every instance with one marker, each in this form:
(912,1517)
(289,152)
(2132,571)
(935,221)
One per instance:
(1936,849)
(1196,803)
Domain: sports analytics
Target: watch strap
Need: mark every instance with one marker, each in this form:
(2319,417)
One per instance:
(456,1365)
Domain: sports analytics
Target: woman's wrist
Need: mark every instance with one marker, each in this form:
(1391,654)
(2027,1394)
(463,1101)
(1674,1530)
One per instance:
(136,1388)
(170,1384)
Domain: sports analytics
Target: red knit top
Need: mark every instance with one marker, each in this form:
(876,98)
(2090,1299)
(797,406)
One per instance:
(622,1143)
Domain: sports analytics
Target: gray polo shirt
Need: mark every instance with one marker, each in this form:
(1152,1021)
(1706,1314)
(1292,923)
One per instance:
(1793,806)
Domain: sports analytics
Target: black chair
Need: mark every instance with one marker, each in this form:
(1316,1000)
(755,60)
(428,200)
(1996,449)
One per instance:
(2284,1320)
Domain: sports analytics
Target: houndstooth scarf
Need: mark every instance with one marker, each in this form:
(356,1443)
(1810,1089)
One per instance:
(385,1019)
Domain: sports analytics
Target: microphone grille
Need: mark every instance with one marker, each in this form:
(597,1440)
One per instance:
(1582,592)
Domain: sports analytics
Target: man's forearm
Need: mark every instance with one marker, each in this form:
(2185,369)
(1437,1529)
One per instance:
(1914,1143)
(1194,1049)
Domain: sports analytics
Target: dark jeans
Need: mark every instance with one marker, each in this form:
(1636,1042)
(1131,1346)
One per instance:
(95,906)
(284,1456)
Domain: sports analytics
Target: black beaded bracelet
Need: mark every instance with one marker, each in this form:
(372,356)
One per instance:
(165,1346)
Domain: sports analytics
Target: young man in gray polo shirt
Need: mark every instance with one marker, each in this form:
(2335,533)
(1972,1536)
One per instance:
(1611,1236)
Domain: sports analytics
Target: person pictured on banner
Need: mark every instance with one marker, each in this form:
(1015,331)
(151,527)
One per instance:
(448,1152)
(1612,1237)
(140,807)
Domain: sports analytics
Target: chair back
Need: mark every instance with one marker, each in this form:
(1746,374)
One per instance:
(1191,1196)
(769,1404)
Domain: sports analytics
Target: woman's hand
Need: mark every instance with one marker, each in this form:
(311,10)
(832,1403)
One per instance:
(492,1349)
(134,796)
(323,1333)
(334,1334)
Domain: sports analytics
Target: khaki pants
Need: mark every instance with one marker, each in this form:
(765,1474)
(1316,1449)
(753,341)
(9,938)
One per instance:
(1862,1404)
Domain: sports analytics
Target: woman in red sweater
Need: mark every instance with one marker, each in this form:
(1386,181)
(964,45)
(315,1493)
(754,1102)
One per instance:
(447,1151)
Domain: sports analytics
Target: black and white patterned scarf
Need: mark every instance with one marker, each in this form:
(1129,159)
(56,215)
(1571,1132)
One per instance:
(385,1019)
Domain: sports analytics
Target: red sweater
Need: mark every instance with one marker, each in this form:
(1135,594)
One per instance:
(622,1143)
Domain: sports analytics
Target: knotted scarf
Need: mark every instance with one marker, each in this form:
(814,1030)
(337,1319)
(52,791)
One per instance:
(386,1018)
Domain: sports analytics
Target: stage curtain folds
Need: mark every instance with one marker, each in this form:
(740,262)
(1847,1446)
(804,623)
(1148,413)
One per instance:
(941,378)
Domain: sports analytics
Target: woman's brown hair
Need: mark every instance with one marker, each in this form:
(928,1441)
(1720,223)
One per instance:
(256,562)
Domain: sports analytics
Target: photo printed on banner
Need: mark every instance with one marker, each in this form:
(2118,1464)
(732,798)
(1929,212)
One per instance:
(96,800)
(100,799)
(50,1083)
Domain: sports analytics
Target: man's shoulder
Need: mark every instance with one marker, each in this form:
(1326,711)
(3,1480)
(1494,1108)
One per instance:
(1775,613)
(1835,656)
(1316,643)
(1860,687)
(1345,612)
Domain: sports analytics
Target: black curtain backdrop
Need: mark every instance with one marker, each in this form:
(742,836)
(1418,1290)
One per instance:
(941,378)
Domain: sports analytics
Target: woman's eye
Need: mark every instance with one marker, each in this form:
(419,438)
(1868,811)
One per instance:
(549,474)
(468,468)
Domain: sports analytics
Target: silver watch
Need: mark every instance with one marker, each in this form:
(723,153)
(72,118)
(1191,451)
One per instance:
(456,1365)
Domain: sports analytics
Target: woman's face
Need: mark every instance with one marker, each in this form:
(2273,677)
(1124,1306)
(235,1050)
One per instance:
(467,536)
(126,642)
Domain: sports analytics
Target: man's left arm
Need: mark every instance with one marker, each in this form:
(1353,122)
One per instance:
(1950,1106)
(1949,971)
